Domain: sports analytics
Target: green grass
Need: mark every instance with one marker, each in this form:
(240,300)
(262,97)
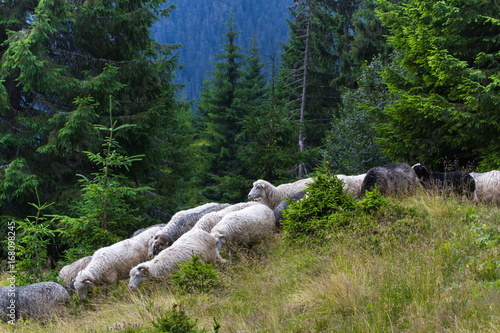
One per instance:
(429,264)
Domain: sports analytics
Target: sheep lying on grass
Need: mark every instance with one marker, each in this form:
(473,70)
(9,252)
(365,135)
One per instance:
(194,242)
(487,187)
(172,231)
(460,182)
(245,227)
(32,300)
(112,263)
(270,195)
(393,179)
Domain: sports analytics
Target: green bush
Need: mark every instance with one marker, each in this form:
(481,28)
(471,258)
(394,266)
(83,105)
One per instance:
(330,213)
(373,201)
(313,217)
(36,234)
(177,321)
(195,276)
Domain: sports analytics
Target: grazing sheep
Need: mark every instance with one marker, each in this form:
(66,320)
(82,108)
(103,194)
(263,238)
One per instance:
(487,187)
(270,195)
(352,184)
(393,179)
(245,226)
(460,182)
(169,234)
(137,232)
(32,300)
(208,221)
(69,272)
(177,217)
(194,242)
(112,263)
(278,211)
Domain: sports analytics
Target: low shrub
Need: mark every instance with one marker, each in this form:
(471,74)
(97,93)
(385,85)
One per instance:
(310,219)
(195,276)
(177,321)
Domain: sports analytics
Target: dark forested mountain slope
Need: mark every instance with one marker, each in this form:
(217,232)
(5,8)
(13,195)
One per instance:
(200,25)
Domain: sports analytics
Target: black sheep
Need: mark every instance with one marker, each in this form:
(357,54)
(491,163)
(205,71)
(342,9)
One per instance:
(392,179)
(460,182)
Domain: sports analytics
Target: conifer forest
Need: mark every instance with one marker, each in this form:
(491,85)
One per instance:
(115,115)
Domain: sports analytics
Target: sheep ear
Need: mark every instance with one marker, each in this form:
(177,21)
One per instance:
(144,271)
(87,281)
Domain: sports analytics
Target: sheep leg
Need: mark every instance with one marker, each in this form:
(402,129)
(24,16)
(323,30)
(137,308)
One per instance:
(104,289)
(218,246)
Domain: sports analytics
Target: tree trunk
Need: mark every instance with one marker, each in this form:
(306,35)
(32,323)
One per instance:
(302,138)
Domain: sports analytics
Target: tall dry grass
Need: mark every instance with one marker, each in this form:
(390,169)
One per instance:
(416,283)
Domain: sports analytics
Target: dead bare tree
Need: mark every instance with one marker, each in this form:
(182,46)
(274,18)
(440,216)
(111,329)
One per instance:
(298,77)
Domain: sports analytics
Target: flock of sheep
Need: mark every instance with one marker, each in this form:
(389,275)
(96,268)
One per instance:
(202,231)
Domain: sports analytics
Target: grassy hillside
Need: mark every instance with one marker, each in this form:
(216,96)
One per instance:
(425,263)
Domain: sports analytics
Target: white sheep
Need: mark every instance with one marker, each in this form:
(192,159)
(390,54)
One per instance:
(270,195)
(208,221)
(69,272)
(487,187)
(352,184)
(112,263)
(194,242)
(245,226)
(178,225)
(139,231)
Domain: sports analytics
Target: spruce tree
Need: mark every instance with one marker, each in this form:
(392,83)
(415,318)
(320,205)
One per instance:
(311,68)
(350,145)
(220,120)
(60,63)
(266,144)
(329,43)
(448,90)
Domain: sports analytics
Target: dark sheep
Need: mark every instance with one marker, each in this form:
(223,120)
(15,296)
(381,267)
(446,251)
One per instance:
(393,179)
(460,182)
(278,211)
(33,300)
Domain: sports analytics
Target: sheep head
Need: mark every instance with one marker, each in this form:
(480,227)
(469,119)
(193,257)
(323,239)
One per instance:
(83,284)
(137,276)
(258,190)
(151,243)
(160,244)
(421,171)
